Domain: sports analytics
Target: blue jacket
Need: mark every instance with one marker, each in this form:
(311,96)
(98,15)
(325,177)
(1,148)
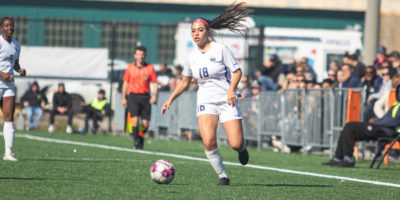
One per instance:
(388,123)
(352,82)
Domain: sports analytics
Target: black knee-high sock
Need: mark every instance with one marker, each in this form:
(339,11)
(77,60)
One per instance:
(135,134)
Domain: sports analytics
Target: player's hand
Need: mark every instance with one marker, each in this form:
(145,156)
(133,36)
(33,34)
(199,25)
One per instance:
(231,98)
(165,107)
(26,104)
(124,102)
(6,77)
(153,100)
(22,72)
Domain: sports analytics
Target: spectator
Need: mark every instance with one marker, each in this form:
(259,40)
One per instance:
(178,76)
(245,89)
(381,105)
(308,71)
(267,84)
(395,61)
(334,65)
(346,59)
(288,82)
(165,78)
(34,103)
(332,75)
(372,83)
(300,82)
(358,66)
(349,80)
(327,83)
(358,131)
(96,110)
(380,56)
(62,104)
(299,70)
(386,85)
(272,68)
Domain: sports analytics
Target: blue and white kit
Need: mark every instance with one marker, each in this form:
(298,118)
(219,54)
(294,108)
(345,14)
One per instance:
(213,70)
(9,53)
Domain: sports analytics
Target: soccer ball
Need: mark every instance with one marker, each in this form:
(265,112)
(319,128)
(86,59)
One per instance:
(162,171)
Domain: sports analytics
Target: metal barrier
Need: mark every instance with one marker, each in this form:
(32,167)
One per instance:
(312,117)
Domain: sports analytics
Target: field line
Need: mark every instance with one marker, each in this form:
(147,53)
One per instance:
(341,178)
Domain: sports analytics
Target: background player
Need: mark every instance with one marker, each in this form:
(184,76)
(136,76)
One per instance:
(136,84)
(218,75)
(9,61)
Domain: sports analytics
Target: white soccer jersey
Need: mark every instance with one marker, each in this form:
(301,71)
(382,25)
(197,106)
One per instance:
(9,53)
(213,71)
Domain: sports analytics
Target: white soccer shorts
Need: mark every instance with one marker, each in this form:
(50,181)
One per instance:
(224,111)
(7,92)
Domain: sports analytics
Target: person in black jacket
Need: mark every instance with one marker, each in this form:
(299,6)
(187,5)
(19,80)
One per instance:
(62,104)
(386,126)
(34,103)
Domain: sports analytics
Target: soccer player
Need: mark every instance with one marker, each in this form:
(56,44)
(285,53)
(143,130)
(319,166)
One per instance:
(218,75)
(136,93)
(9,60)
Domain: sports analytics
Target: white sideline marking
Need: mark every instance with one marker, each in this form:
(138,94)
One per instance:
(342,178)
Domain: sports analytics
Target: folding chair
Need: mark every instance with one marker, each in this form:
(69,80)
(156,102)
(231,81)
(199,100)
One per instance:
(379,155)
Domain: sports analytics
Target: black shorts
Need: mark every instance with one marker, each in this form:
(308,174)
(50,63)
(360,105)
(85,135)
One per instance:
(139,105)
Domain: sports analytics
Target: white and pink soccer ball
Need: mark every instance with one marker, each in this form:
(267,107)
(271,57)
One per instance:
(162,171)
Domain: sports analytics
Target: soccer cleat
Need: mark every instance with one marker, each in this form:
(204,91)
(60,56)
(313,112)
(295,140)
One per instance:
(9,157)
(223,181)
(244,157)
(51,128)
(344,163)
(69,129)
(333,162)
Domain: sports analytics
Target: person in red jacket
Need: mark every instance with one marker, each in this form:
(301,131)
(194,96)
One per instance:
(136,93)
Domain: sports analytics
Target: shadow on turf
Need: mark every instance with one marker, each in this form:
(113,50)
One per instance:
(41,179)
(62,160)
(280,185)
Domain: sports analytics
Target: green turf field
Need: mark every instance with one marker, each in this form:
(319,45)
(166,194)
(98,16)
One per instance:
(65,171)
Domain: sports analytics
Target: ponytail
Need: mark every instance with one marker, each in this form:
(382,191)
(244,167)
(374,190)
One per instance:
(231,18)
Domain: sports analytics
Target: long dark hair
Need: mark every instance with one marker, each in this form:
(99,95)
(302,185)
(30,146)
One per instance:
(231,18)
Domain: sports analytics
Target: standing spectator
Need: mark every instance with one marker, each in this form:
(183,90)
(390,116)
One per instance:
(334,65)
(395,61)
(165,78)
(372,83)
(272,68)
(358,66)
(34,103)
(346,59)
(245,89)
(380,56)
(349,80)
(62,104)
(96,110)
(386,85)
(308,71)
(381,105)
(9,61)
(332,75)
(136,93)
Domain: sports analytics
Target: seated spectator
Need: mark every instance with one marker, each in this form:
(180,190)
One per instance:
(348,79)
(165,78)
(96,110)
(372,83)
(245,89)
(381,105)
(34,103)
(62,104)
(358,131)
(267,84)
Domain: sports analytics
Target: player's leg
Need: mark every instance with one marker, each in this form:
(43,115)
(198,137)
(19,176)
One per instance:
(134,110)
(231,119)
(208,124)
(8,107)
(145,116)
(233,129)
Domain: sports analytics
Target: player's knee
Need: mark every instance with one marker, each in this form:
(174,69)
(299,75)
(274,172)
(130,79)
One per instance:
(210,145)
(236,146)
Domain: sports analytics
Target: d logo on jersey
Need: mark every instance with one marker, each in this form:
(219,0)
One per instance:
(201,108)
(212,59)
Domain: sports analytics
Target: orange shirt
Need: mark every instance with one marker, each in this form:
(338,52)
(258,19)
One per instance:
(139,78)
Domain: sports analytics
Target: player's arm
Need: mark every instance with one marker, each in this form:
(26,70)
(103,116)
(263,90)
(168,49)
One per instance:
(153,99)
(237,75)
(182,86)
(18,68)
(124,88)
